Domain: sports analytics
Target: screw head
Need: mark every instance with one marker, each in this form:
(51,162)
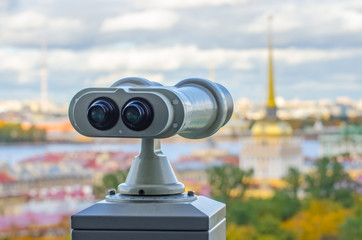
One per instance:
(111,192)
(191,193)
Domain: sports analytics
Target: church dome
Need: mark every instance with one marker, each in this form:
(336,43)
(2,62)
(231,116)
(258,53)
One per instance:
(273,128)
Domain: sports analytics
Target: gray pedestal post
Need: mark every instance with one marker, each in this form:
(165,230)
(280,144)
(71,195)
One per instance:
(151,205)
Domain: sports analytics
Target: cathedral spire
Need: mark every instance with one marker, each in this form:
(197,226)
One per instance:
(271,101)
(270,106)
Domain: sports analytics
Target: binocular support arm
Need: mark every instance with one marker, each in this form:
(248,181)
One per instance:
(151,173)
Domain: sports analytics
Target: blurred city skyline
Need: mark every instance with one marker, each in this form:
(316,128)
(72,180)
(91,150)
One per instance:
(317,47)
(288,165)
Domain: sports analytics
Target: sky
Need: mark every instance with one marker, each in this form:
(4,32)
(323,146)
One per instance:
(317,45)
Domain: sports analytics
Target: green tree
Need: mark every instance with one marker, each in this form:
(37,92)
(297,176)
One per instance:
(226,178)
(294,180)
(286,206)
(282,206)
(15,133)
(110,181)
(243,213)
(323,181)
(268,227)
(351,229)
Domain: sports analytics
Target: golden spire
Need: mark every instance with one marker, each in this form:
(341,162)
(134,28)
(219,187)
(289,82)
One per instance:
(271,100)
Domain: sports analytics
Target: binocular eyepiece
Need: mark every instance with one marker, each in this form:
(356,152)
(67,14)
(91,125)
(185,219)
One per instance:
(138,108)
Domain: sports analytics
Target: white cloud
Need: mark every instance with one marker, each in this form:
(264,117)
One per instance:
(3,5)
(174,4)
(295,56)
(311,17)
(195,33)
(147,20)
(345,77)
(322,86)
(30,27)
(334,18)
(108,80)
(15,60)
(22,62)
(24,20)
(352,20)
(163,59)
(153,61)
(284,19)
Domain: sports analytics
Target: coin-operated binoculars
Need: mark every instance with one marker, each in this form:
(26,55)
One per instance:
(151,204)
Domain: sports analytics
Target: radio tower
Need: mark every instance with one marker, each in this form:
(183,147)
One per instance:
(44,78)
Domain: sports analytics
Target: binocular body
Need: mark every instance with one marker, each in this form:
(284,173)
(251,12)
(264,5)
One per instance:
(137,108)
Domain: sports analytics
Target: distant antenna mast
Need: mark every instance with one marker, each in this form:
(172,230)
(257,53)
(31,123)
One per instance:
(44,77)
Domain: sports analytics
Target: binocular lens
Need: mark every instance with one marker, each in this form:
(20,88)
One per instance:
(97,114)
(103,114)
(137,114)
(133,114)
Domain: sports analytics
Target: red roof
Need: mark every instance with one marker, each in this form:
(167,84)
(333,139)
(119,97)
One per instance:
(5,178)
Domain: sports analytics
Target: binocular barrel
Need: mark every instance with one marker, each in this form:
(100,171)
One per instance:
(208,107)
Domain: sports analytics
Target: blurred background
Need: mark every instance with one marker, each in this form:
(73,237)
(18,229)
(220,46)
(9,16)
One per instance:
(289,162)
